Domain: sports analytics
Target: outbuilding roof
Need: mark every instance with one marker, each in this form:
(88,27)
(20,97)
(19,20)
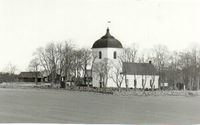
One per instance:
(29,75)
(130,68)
(107,41)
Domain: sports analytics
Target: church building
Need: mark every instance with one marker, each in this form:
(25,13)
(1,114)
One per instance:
(109,69)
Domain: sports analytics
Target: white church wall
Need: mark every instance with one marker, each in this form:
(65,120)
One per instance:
(111,83)
(108,54)
(95,80)
(130,79)
(114,73)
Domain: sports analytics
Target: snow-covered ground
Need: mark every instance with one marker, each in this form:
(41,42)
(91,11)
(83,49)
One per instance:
(62,106)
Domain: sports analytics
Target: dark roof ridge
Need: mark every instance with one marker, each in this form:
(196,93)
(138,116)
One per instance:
(138,63)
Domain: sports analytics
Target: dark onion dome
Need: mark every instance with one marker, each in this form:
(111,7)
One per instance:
(107,41)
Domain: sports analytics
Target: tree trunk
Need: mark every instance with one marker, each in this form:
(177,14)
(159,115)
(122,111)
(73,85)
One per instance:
(119,88)
(126,82)
(53,79)
(197,81)
(36,78)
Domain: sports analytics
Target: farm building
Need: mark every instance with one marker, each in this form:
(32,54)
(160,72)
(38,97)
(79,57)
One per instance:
(30,77)
(41,77)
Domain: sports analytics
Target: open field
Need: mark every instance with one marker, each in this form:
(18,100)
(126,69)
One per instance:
(61,106)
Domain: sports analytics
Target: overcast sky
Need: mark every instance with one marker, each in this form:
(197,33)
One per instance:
(28,24)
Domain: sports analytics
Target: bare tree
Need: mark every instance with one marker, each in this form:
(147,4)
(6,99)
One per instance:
(173,71)
(116,73)
(152,81)
(93,58)
(135,82)
(102,68)
(86,58)
(144,80)
(160,59)
(34,66)
(11,68)
(195,54)
(130,53)
(189,64)
(61,62)
(78,62)
(123,69)
(48,57)
(69,60)
(8,74)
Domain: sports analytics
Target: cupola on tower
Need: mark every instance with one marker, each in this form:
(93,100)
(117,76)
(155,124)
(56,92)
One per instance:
(107,46)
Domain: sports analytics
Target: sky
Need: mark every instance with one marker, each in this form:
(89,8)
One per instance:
(26,25)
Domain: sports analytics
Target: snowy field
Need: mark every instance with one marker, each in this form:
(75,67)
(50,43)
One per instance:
(61,106)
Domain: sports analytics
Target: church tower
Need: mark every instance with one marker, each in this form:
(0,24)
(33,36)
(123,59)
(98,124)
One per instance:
(106,52)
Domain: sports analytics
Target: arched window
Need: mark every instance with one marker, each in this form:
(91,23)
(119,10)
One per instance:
(100,54)
(115,55)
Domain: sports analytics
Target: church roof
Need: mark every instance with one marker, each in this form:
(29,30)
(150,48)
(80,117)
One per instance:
(139,68)
(107,41)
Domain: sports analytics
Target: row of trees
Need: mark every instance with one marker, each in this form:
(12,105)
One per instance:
(9,73)
(65,59)
(62,59)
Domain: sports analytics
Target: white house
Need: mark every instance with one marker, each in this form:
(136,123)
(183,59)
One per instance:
(109,68)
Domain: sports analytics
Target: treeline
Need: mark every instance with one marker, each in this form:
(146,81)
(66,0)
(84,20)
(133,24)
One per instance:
(9,74)
(177,67)
(61,60)
(7,77)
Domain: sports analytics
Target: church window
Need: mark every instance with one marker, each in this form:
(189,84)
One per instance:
(115,55)
(100,54)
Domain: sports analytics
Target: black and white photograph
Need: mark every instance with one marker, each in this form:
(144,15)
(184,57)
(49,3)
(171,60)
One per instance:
(100,62)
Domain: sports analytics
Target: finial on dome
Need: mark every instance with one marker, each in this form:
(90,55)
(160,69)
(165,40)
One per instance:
(107,30)
(108,26)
